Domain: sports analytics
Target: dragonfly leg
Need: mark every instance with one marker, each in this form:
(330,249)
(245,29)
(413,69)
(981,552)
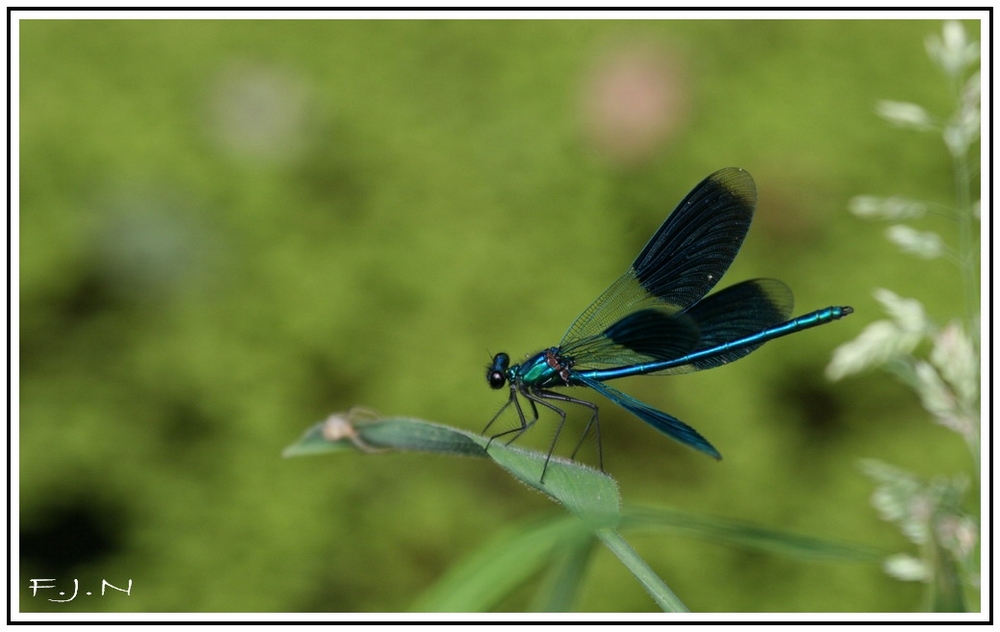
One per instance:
(499,412)
(524,424)
(539,396)
(594,421)
(519,430)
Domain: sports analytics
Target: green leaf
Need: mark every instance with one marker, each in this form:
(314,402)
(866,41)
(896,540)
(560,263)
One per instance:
(588,493)
(592,496)
(361,430)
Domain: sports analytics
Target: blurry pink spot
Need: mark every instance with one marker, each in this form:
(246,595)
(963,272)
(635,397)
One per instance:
(634,101)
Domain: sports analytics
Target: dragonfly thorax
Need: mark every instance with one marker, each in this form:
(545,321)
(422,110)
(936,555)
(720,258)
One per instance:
(544,369)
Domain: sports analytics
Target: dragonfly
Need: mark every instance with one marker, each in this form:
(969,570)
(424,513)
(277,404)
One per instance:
(659,319)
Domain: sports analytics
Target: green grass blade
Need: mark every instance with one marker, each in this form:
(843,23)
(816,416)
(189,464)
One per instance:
(747,536)
(481,580)
(658,590)
(561,585)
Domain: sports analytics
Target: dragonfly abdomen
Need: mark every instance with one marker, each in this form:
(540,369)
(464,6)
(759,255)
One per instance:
(716,355)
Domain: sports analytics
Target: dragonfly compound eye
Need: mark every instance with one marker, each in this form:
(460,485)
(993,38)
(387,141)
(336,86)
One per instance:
(496,373)
(496,379)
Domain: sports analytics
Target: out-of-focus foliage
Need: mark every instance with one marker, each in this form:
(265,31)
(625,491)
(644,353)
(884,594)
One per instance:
(230,229)
(934,515)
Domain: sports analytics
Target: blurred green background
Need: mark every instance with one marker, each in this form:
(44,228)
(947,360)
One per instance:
(231,229)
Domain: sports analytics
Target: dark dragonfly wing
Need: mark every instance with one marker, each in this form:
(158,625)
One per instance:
(695,245)
(729,315)
(686,257)
(652,336)
(736,312)
(653,333)
(670,426)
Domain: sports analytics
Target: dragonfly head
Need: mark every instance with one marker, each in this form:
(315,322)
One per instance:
(496,373)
